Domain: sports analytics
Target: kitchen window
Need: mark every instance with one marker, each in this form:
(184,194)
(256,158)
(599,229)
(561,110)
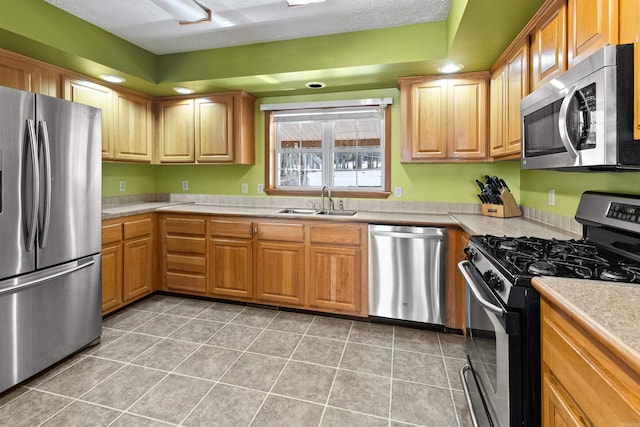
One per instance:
(342,146)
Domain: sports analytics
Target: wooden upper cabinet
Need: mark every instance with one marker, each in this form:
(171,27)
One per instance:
(629,30)
(19,74)
(509,84)
(592,24)
(85,92)
(133,127)
(176,131)
(549,46)
(467,116)
(214,129)
(444,119)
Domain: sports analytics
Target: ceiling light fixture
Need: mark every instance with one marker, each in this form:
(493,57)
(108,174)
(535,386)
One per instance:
(185,11)
(183,90)
(315,85)
(111,78)
(293,3)
(450,68)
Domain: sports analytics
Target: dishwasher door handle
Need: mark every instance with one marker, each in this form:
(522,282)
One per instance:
(403,235)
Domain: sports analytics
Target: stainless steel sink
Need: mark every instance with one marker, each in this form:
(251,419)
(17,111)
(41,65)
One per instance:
(336,213)
(302,211)
(297,211)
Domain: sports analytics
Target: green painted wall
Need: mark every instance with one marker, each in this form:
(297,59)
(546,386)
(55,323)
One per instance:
(569,186)
(451,182)
(140,179)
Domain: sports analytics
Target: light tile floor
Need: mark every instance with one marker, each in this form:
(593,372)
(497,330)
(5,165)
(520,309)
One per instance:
(179,361)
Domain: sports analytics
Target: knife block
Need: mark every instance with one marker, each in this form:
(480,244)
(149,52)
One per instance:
(508,209)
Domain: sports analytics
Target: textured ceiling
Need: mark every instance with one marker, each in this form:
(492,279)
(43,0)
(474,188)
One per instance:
(242,22)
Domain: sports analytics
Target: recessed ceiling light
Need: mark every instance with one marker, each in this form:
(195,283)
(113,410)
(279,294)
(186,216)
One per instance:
(315,85)
(183,90)
(111,78)
(302,2)
(450,68)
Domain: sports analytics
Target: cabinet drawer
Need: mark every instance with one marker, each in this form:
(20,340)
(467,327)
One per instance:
(238,229)
(281,232)
(195,227)
(335,234)
(142,227)
(186,282)
(189,264)
(111,233)
(189,245)
(600,383)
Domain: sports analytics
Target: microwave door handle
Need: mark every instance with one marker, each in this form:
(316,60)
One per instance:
(463,266)
(562,124)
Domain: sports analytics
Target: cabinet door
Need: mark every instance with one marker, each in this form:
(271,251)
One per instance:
(214,129)
(467,113)
(97,96)
(19,74)
(176,131)
(592,24)
(558,409)
(497,113)
(517,85)
(548,47)
(428,116)
(334,278)
(280,272)
(230,268)
(111,277)
(134,124)
(138,258)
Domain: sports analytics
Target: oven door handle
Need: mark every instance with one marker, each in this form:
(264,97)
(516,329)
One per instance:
(463,266)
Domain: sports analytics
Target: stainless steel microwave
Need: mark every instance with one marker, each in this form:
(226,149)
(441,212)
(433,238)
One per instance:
(583,119)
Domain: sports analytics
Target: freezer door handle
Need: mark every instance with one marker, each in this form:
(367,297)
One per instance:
(35,189)
(46,152)
(19,283)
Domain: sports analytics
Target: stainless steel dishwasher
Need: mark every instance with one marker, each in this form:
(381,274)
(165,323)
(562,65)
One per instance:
(407,273)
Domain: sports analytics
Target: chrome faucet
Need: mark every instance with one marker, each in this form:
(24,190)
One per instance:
(328,195)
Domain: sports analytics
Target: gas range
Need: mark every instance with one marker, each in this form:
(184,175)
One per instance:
(502,379)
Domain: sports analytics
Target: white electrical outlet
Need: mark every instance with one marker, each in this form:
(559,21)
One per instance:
(245,188)
(398,192)
(552,197)
(260,188)
(123,185)
(185,185)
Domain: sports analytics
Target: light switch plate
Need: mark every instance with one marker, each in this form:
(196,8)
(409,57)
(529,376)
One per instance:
(260,188)
(245,188)
(397,192)
(552,197)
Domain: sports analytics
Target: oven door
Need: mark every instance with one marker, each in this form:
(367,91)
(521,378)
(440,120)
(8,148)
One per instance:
(493,351)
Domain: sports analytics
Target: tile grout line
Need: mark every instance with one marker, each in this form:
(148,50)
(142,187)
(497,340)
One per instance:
(444,362)
(335,376)
(268,393)
(393,351)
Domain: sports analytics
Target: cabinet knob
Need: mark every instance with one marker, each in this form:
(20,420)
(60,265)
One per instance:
(255,229)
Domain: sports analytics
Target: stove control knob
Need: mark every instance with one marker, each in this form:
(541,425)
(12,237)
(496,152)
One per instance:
(493,281)
(470,253)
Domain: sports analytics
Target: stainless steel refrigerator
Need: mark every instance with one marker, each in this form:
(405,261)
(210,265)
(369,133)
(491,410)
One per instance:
(50,231)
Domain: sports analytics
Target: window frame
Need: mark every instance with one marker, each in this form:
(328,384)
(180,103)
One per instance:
(271,166)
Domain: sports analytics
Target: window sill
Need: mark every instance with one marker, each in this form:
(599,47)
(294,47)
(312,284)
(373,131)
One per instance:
(355,194)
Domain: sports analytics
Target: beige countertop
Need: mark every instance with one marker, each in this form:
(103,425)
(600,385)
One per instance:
(608,310)
(472,223)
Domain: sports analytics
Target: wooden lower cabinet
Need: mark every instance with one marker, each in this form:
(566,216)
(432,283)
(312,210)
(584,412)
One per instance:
(456,299)
(584,382)
(230,255)
(310,265)
(127,260)
(184,248)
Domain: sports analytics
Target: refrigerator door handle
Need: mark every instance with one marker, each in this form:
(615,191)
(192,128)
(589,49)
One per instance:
(16,284)
(46,215)
(35,188)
